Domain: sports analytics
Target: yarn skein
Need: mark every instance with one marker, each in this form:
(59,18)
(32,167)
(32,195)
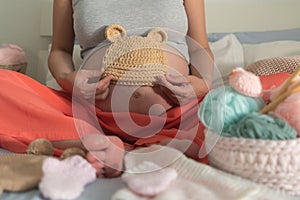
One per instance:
(260,126)
(224,106)
(289,111)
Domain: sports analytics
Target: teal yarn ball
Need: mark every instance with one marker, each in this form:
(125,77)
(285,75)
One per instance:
(224,106)
(261,126)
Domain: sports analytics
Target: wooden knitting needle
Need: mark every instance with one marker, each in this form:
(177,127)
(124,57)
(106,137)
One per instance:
(288,82)
(280,98)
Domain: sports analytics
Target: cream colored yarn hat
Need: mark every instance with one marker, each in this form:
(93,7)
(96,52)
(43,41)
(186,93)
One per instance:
(134,60)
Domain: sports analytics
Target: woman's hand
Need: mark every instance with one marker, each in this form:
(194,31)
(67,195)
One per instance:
(88,85)
(178,88)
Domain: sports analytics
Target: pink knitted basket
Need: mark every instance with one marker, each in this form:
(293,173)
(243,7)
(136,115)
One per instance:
(275,164)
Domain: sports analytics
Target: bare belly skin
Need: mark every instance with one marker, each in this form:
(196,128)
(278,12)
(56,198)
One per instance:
(144,99)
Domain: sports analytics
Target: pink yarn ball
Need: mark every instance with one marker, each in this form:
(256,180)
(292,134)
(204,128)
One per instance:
(274,91)
(289,111)
(245,82)
(11,54)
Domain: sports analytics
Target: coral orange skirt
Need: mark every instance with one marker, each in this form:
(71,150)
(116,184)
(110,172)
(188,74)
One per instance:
(30,110)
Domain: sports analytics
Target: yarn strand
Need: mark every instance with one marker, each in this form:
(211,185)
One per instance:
(280,98)
(288,82)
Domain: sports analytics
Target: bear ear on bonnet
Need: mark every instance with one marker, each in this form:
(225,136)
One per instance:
(158,35)
(115,32)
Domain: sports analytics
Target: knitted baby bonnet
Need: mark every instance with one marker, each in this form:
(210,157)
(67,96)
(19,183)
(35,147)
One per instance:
(134,60)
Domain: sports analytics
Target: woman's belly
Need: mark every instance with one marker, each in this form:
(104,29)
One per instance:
(143,99)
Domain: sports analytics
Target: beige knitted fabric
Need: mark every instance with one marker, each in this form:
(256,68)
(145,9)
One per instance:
(134,60)
(274,65)
(19,172)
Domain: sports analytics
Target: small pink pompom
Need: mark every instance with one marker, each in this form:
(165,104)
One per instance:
(288,110)
(245,82)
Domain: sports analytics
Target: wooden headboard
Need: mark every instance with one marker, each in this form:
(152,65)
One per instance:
(227,15)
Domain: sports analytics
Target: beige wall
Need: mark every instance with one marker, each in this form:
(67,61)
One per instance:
(20,25)
(20,22)
(252,15)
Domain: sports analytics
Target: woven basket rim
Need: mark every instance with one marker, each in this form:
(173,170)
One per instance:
(253,140)
(261,140)
(246,145)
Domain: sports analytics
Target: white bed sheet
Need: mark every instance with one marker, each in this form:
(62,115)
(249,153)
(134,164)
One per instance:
(101,189)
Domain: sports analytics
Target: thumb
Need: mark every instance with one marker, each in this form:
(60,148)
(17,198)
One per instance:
(176,79)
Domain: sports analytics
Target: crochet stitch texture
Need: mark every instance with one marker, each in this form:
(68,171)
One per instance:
(134,60)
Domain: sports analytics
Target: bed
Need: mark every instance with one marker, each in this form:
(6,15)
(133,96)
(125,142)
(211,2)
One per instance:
(239,32)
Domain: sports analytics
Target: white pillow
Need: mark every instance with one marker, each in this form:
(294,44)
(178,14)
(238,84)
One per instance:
(255,52)
(228,54)
(77,60)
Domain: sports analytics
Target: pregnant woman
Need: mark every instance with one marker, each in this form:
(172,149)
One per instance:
(31,110)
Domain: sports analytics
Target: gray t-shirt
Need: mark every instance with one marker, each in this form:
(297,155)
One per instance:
(91,17)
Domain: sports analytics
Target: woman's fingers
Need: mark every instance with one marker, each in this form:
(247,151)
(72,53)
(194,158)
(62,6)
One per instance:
(104,83)
(102,95)
(97,164)
(175,86)
(177,80)
(89,85)
(103,88)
